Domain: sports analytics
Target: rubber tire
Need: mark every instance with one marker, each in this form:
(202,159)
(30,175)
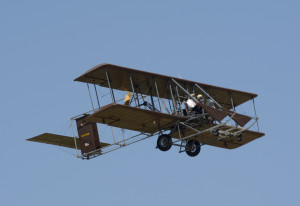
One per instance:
(195,151)
(164,142)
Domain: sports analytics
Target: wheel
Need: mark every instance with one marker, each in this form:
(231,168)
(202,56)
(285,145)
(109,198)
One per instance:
(239,138)
(164,142)
(216,133)
(192,148)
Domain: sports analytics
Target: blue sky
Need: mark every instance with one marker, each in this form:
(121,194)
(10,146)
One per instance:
(252,46)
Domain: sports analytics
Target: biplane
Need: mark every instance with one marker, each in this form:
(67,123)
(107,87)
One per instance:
(140,105)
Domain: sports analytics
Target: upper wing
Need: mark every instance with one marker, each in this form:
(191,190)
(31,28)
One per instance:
(144,83)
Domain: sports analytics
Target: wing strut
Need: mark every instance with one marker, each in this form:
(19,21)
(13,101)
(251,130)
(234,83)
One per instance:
(186,92)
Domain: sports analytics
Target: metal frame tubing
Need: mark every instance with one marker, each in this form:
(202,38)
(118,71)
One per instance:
(204,92)
(111,90)
(133,91)
(178,99)
(232,103)
(152,101)
(90,96)
(100,152)
(193,90)
(157,93)
(173,100)
(73,130)
(255,113)
(186,87)
(97,96)
(137,97)
(187,93)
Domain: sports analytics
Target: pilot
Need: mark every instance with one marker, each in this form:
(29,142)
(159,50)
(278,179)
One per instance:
(192,105)
(190,102)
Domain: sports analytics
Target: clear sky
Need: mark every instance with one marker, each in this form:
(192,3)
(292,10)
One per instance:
(252,46)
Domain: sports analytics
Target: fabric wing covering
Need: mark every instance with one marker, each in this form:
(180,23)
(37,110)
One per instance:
(59,140)
(226,143)
(132,118)
(144,84)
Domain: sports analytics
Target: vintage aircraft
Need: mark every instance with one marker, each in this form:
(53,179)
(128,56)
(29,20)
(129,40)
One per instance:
(138,103)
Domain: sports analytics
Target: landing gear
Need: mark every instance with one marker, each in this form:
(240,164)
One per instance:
(239,138)
(164,142)
(192,148)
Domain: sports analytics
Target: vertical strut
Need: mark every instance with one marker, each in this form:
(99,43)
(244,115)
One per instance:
(193,90)
(111,90)
(123,135)
(90,95)
(178,100)
(173,100)
(74,137)
(112,131)
(152,102)
(132,87)
(97,96)
(232,103)
(255,113)
(186,87)
(137,97)
(157,93)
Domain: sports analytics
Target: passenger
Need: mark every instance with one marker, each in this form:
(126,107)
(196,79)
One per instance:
(127,99)
(210,103)
(192,105)
(197,108)
(200,98)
